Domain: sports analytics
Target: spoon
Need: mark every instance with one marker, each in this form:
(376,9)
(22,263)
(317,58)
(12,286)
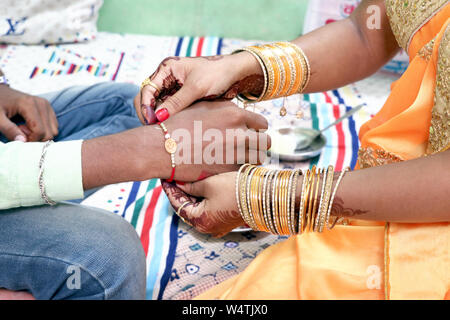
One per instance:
(307,140)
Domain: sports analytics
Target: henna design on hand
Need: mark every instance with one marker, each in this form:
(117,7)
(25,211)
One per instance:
(163,64)
(211,222)
(338,209)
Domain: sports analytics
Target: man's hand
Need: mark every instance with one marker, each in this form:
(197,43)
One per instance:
(40,119)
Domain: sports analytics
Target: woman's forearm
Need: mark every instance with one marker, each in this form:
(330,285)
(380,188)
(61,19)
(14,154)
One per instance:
(342,52)
(411,191)
(348,50)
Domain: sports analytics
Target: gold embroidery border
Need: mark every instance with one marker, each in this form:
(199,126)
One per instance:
(369,157)
(439,137)
(408,16)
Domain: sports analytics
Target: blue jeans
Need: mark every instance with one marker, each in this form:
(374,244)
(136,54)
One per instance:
(71,251)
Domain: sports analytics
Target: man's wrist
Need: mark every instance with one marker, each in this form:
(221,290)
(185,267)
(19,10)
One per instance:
(154,161)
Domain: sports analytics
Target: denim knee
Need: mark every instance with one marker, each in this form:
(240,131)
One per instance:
(109,261)
(124,260)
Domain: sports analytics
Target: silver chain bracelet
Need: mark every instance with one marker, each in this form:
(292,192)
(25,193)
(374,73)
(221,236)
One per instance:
(44,195)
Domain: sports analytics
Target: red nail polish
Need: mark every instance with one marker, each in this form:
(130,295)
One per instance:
(162,115)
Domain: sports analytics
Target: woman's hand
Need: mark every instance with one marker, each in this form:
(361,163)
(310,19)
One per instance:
(185,80)
(212,206)
(40,119)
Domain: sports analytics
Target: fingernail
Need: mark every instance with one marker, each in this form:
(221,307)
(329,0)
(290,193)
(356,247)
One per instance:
(180,183)
(144,115)
(162,115)
(20,138)
(151,115)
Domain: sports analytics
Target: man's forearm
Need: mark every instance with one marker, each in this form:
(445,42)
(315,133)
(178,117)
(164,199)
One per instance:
(133,155)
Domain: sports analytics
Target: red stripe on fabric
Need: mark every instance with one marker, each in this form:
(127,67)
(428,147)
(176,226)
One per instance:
(34,72)
(200,46)
(118,66)
(340,132)
(72,67)
(148,219)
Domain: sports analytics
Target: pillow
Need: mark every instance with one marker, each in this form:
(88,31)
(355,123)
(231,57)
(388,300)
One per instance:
(48,21)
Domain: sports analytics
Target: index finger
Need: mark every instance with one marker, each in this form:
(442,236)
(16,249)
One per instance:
(33,119)
(150,91)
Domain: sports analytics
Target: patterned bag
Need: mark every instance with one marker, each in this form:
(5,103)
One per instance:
(48,21)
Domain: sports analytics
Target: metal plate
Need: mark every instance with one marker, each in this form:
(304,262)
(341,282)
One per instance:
(284,141)
(242,229)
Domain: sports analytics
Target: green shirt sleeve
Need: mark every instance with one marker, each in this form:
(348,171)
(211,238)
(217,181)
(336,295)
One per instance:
(19,171)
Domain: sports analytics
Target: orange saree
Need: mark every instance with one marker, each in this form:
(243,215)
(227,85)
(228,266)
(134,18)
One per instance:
(376,260)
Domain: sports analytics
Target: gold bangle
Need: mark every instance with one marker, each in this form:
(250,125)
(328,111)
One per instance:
(307,74)
(328,181)
(264,199)
(286,69)
(269,204)
(289,48)
(294,197)
(314,210)
(341,175)
(321,203)
(277,65)
(238,199)
(284,198)
(303,201)
(291,73)
(329,185)
(247,97)
(243,194)
(311,196)
(280,203)
(270,71)
(289,179)
(291,201)
(275,203)
(249,202)
(254,198)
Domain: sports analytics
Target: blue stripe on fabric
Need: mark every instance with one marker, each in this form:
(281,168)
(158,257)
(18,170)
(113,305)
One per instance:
(209,41)
(352,128)
(170,256)
(158,246)
(132,196)
(178,49)
(219,46)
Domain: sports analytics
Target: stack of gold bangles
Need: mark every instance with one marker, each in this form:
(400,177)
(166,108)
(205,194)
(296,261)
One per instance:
(285,67)
(267,199)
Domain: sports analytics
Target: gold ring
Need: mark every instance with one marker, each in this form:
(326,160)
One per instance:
(179,209)
(148,82)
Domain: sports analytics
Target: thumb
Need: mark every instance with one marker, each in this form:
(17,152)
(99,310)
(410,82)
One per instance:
(11,130)
(173,104)
(196,189)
